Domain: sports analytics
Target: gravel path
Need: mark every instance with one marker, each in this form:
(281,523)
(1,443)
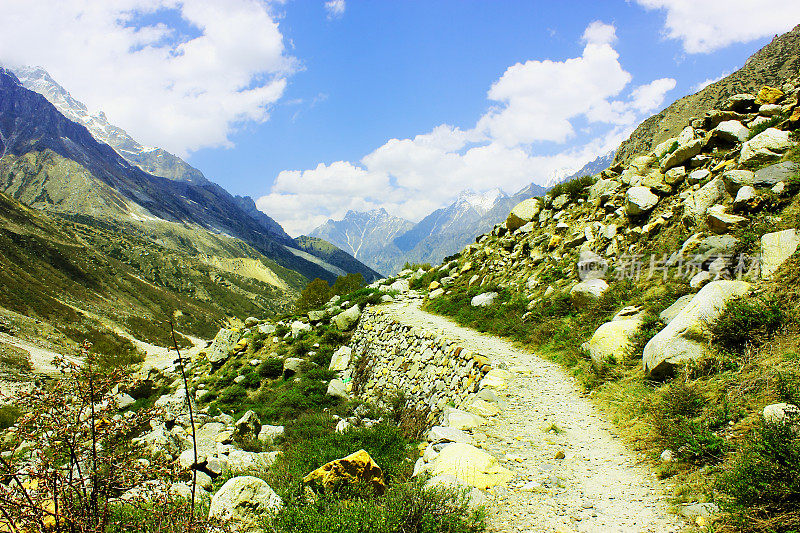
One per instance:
(598,485)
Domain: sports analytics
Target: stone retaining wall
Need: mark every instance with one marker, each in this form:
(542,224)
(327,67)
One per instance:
(431,370)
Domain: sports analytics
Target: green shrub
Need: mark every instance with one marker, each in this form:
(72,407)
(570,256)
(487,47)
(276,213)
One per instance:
(8,415)
(763,483)
(745,322)
(314,296)
(251,380)
(271,367)
(407,508)
(575,188)
(347,284)
(233,394)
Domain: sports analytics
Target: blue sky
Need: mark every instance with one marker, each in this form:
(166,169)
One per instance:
(298,105)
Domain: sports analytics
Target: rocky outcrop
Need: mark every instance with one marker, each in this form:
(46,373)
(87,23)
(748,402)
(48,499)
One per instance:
(686,337)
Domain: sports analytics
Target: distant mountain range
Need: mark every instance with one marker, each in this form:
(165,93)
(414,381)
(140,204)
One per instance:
(57,164)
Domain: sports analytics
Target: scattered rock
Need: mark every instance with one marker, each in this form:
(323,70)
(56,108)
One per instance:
(780,413)
(340,359)
(765,146)
(242,503)
(338,389)
(247,427)
(721,222)
(587,292)
(686,336)
(776,248)
(220,348)
(298,327)
(682,154)
(348,318)
(640,200)
(522,213)
(484,299)
(470,465)
(613,340)
(355,468)
(268,433)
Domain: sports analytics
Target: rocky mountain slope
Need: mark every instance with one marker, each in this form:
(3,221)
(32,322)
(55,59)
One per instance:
(154,161)
(669,287)
(775,64)
(52,163)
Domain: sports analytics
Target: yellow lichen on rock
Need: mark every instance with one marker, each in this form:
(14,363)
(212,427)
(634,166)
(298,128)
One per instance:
(351,470)
(769,95)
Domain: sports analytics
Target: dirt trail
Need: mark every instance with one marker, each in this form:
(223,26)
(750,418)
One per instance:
(599,486)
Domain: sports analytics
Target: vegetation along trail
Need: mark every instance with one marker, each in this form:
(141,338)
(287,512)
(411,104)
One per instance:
(573,472)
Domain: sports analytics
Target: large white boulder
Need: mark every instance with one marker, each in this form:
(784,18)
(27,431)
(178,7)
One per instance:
(686,336)
(523,212)
(730,131)
(767,144)
(341,359)
(242,504)
(613,340)
(587,292)
(640,200)
(220,349)
(776,248)
(484,299)
(682,154)
(347,318)
(298,328)
(697,202)
(470,465)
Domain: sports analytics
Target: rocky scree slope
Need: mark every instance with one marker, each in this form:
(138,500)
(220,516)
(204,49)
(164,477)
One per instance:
(656,280)
(773,65)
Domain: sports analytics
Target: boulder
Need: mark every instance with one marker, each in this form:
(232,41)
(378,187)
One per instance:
(338,389)
(316,315)
(220,348)
(340,359)
(682,154)
(640,200)
(591,265)
(522,213)
(448,434)
(769,95)
(268,433)
(247,427)
(242,504)
(776,248)
(675,175)
(266,329)
(697,202)
(781,413)
(696,176)
(587,292)
(470,465)
(770,176)
(484,299)
(242,461)
(686,336)
(736,179)
(721,222)
(496,378)
(436,293)
(740,103)
(401,286)
(603,190)
(459,419)
(668,314)
(251,322)
(124,400)
(353,469)
(348,318)
(766,145)
(613,340)
(744,197)
(298,327)
(291,365)
(476,499)
(730,131)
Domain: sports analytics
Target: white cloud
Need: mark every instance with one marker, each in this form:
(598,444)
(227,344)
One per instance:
(181,90)
(600,33)
(335,8)
(535,104)
(709,25)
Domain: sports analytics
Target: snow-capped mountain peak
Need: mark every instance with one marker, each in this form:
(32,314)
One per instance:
(480,202)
